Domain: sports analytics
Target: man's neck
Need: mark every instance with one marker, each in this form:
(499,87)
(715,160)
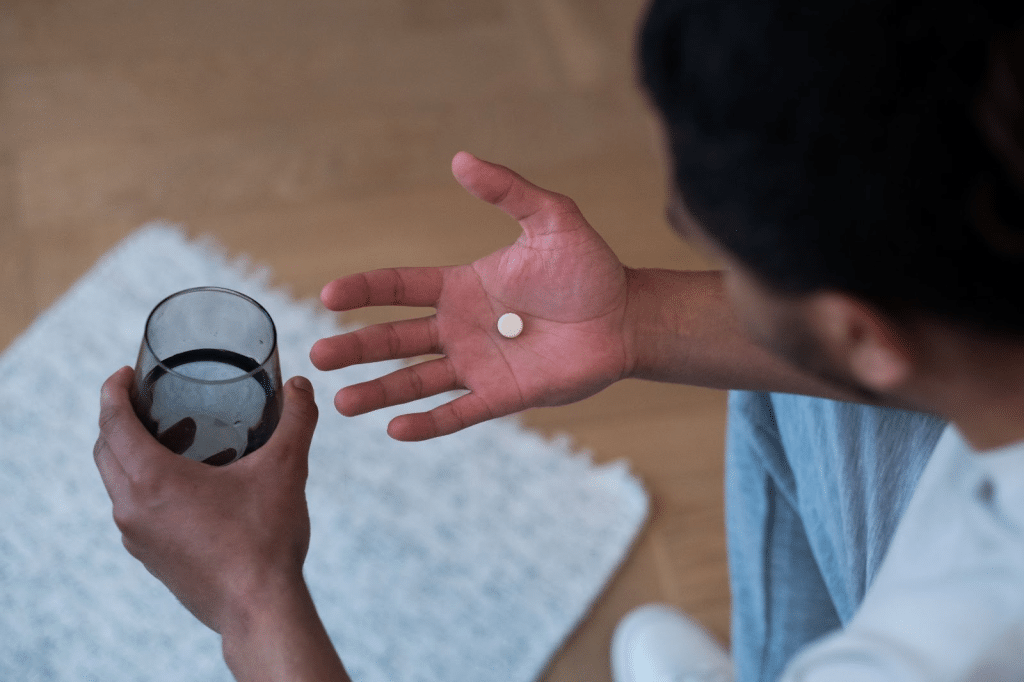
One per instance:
(981,390)
(1002,425)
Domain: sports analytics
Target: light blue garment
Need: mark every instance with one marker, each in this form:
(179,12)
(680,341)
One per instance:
(814,490)
(947,604)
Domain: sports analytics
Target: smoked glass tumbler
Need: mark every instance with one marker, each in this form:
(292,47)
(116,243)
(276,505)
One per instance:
(208,379)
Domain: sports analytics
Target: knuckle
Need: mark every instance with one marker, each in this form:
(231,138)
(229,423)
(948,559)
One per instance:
(305,409)
(125,517)
(451,375)
(454,420)
(99,446)
(131,547)
(500,195)
(138,503)
(367,290)
(392,340)
(359,349)
(561,204)
(144,488)
(108,415)
(415,383)
(434,333)
(397,287)
(381,393)
(310,410)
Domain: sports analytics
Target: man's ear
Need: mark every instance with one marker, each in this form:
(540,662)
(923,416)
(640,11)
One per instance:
(870,344)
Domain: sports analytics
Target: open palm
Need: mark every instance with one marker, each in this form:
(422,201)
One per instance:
(559,276)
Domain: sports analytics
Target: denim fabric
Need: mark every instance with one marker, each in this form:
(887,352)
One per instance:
(814,490)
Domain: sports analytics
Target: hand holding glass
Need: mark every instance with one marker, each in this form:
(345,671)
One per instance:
(208,379)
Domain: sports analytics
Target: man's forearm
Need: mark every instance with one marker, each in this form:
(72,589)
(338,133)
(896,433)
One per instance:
(280,638)
(684,331)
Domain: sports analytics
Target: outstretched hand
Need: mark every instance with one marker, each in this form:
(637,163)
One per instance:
(559,276)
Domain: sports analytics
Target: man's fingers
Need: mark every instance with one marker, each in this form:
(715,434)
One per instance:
(538,211)
(120,429)
(111,471)
(421,380)
(393,286)
(463,412)
(117,386)
(390,341)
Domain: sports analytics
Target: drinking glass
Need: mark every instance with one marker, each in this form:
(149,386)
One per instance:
(208,379)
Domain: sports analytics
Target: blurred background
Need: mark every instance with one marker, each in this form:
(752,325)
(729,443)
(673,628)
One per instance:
(314,137)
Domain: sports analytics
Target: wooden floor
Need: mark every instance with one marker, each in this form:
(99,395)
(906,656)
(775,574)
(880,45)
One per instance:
(315,136)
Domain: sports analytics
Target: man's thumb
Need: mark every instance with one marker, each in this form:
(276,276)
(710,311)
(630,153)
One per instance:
(298,417)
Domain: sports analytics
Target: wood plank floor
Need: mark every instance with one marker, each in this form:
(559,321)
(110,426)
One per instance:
(315,136)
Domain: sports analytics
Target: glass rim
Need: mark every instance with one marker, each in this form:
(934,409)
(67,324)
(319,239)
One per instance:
(261,366)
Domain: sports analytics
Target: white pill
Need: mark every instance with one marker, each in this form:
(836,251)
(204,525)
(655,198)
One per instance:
(510,325)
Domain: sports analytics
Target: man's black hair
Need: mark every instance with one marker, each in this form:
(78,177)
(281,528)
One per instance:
(834,145)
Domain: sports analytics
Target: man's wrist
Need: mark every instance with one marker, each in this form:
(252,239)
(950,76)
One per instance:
(276,634)
(636,323)
(664,310)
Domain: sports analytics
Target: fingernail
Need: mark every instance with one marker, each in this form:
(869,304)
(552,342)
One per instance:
(302,383)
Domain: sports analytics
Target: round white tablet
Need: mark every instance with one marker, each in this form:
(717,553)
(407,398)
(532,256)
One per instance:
(510,325)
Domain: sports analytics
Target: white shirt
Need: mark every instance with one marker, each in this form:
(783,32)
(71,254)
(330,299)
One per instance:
(948,600)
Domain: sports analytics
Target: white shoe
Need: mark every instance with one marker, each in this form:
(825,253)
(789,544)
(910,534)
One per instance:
(656,643)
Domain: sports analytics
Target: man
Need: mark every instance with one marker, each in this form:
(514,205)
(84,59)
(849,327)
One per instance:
(843,162)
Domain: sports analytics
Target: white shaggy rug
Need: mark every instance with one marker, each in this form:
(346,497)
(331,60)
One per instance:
(469,557)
